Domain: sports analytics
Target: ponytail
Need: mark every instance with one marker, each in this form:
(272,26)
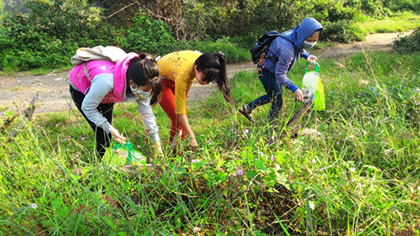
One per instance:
(213,66)
(143,71)
(222,81)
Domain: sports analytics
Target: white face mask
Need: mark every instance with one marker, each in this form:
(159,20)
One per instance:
(307,44)
(139,93)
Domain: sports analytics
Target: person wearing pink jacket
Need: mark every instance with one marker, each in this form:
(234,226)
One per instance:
(96,85)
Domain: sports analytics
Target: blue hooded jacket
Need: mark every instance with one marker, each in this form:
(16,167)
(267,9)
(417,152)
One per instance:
(282,54)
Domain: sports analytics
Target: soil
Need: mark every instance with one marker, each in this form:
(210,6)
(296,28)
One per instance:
(17,91)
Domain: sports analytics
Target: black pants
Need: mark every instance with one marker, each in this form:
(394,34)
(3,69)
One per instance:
(102,138)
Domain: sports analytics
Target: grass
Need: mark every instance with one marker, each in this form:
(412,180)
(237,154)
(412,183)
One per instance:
(360,176)
(400,22)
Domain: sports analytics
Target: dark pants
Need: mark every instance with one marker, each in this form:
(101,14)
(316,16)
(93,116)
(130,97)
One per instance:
(102,138)
(274,94)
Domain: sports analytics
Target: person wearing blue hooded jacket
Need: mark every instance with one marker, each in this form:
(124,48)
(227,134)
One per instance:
(281,56)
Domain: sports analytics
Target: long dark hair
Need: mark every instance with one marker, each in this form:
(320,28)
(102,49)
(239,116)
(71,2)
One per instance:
(213,66)
(144,71)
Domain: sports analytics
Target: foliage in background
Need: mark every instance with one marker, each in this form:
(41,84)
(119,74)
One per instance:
(146,34)
(408,44)
(50,34)
(46,33)
(398,5)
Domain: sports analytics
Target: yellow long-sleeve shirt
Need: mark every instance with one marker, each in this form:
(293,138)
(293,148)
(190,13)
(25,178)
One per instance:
(179,67)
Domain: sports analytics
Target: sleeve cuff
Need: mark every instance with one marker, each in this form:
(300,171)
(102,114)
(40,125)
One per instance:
(306,55)
(107,127)
(293,88)
(155,137)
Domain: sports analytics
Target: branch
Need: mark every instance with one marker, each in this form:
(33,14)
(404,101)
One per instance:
(122,9)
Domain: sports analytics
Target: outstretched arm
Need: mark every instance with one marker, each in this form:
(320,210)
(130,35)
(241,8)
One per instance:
(183,119)
(150,122)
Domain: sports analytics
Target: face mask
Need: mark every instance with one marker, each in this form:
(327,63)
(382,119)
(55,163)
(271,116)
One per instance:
(307,44)
(139,93)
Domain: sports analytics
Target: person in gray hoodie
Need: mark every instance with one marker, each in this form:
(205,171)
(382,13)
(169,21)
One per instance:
(281,56)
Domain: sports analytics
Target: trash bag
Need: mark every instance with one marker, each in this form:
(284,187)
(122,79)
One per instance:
(312,84)
(124,154)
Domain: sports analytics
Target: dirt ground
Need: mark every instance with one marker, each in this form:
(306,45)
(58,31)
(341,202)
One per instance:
(16,91)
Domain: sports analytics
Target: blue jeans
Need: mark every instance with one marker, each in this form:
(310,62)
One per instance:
(274,94)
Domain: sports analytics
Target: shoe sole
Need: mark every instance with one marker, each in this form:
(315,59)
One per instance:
(246,115)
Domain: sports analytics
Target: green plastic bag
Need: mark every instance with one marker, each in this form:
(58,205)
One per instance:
(124,154)
(312,84)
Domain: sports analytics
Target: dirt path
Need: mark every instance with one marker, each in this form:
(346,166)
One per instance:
(18,90)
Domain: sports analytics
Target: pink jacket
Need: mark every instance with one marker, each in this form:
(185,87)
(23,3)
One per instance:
(79,79)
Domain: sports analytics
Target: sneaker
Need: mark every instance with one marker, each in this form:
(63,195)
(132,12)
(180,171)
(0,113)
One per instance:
(244,111)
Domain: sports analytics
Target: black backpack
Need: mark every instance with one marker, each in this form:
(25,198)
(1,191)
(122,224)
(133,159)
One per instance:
(260,49)
(262,45)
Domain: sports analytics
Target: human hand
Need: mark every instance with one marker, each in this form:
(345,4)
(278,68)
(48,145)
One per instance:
(298,95)
(158,149)
(193,143)
(116,134)
(312,59)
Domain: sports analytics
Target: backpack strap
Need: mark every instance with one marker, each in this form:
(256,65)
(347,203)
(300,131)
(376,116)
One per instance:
(86,71)
(290,41)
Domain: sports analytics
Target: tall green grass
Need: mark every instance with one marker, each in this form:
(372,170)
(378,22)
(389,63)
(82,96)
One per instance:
(360,176)
(399,22)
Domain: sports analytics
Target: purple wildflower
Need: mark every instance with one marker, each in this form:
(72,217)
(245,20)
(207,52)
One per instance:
(240,172)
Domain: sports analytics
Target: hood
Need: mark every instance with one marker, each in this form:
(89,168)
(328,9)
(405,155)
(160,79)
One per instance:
(301,32)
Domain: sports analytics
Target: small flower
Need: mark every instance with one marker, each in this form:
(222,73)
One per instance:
(38,126)
(376,95)
(33,206)
(256,159)
(82,138)
(358,95)
(272,158)
(196,229)
(313,161)
(371,89)
(240,172)
(352,169)
(246,131)
(338,143)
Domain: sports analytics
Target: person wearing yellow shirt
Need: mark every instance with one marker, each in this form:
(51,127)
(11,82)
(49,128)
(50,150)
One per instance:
(178,70)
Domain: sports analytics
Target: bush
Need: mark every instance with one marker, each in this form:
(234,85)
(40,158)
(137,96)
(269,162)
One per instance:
(342,32)
(49,35)
(400,5)
(409,44)
(148,35)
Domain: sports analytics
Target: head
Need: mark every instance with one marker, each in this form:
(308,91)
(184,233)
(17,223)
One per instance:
(309,30)
(143,77)
(211,67)
(312,39)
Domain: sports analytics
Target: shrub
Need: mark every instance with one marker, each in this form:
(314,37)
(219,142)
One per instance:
(49,35)
(400,5)
(409,44)
(148,35)
(342,32)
